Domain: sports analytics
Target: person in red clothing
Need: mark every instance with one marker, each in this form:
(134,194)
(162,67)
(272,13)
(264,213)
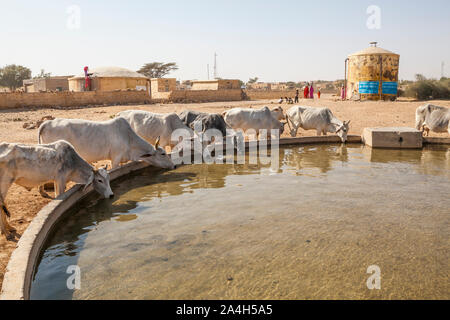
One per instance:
(87,79)
(318,93)
(306,91)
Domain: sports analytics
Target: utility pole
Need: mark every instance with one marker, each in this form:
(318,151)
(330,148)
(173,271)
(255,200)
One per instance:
(442,69)
(215,65)
(207,70)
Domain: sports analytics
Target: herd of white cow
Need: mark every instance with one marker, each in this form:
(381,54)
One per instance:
(68,146)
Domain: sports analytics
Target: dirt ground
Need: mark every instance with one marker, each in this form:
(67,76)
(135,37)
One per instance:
(24,205)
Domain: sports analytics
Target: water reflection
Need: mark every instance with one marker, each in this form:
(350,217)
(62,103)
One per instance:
(320,157)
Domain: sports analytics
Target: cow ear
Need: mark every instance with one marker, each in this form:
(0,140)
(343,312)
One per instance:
(157,142)
(147,155)
(90,180)
(429,108)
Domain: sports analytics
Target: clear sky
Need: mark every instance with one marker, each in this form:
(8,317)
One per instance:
(278,40)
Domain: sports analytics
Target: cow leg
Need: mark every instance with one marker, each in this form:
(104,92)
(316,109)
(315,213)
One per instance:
(3,224)
(5,182)
(319,132)
(115,163)
(5,228)
(60,187)
(43,193)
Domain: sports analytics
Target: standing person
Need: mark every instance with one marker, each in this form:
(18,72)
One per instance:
(311,91)
(343,93)
(318,93)
(296,95)
(87,79)
(306,91)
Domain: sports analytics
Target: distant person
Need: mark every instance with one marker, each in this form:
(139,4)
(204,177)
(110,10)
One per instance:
(311,91)
(318,93)
(306,91)
(343,93)
(291,101)
(281,100)
(296,95)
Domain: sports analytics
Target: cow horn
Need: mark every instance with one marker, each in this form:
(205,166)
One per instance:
(157,142)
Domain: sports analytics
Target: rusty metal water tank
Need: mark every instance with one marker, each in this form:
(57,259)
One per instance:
(373,74)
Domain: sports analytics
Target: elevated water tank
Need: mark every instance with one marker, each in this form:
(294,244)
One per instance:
(373,74)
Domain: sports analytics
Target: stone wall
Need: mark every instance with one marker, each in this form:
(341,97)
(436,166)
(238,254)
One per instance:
(263,95)
(199,95)
(71,99)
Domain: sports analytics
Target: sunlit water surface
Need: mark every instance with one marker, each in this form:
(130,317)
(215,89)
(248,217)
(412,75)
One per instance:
(308,231)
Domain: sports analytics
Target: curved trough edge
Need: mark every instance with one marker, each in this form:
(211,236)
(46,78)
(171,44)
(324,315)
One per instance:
(21,265)
(436,140)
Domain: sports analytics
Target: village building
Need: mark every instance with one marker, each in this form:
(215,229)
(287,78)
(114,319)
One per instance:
(219,84)
(59,83)
(111,79)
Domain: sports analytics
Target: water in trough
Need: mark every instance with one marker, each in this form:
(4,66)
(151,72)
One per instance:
(308,231)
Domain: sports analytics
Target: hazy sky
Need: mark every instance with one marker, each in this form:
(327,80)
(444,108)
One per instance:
(277,40)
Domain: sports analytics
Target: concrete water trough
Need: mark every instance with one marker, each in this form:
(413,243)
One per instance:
(393,137)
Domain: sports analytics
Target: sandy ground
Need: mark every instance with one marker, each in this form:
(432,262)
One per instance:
(24,205)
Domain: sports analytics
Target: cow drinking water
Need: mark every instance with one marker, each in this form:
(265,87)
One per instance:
(33,165)
(320,119)
(152,126)
(112,140)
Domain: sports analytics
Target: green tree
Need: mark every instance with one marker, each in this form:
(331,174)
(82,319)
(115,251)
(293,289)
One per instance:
(12,76)
(157,69)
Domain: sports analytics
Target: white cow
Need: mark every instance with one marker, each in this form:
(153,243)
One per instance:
(257,119)
(33,165)
(112,140)
(150,126)
(321,119)
(434,118)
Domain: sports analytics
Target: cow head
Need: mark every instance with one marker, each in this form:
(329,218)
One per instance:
(292,131)
(421,115)
(100,181)
(278,114)
(342,131)
(158,158)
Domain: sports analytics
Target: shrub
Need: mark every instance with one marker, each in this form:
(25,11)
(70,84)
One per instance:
(429,89)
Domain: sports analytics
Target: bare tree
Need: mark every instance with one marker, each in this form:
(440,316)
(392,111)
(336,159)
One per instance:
(43,74)
(253,80)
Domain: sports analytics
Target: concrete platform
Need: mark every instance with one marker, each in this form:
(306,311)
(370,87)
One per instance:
(395,137)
